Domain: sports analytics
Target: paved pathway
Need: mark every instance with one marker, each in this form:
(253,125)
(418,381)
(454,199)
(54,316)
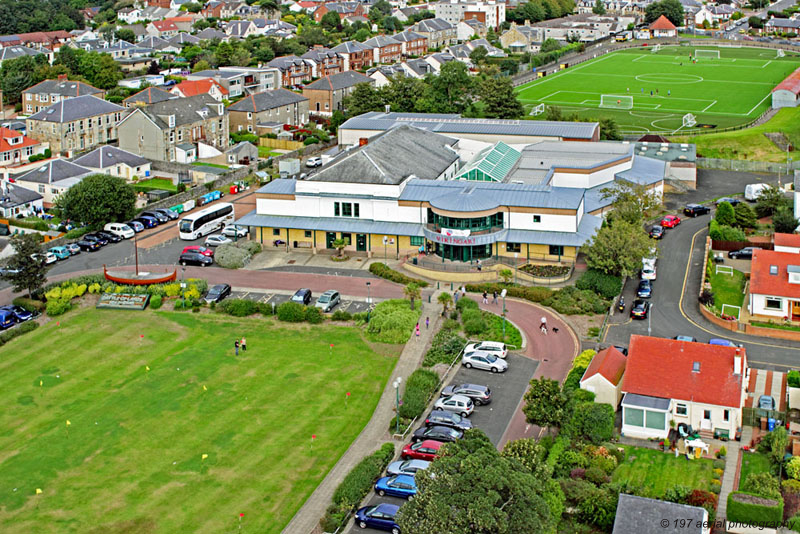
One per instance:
(729,478)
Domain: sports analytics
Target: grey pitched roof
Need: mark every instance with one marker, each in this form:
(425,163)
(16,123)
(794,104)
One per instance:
(639,514)
(538,159)
(54,171)
(348,47)
(108,156)
(149,95)
(644,171)
(342,7)
(340,81)
(156,43)
(267,100)
(419,66)
(319,54)
(281,186)
(14,195)
(379,41)
(184,38)
(392,157)
(407,36)
(286,62)
(186,110)
(211,33)
(432,25)
(241,145)
(66,88)
(72,109)
(13,52)
(137,29)
(332,224)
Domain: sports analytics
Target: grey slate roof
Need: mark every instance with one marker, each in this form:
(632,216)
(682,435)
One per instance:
(340,81)
(150,95)
(644,171)
(156,43)
(538,159)
(184,38)
(392,157)
(108,156)
(332,224)
(267,100)
(348,47)
(432,25)
(407,36)
(13,52)
(14,195)
(286,62)
(73,109)
(54,171)
(281,186)
(379,41)
(186,110)
(211,33)
(66,88)
(419,66)
(643,401)
(639,514)
(319,54)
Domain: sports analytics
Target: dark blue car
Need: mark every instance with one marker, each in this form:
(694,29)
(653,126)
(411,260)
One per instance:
(380,517)
(19,313)
(398,486)
(6,319)
(645,290)
(147,222)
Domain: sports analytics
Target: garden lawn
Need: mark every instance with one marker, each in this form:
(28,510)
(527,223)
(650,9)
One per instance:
(266,152)
(494,331)
(131,459)
(155,183)
(753,463)
(727,289)
(656,471)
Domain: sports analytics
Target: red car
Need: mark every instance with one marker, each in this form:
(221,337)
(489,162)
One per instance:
(670,221)
(424,450)
(200,250)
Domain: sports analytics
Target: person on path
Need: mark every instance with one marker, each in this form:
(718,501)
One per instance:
(669,92)
(485,298)
(494,297)
(417,331)
(427,322)
(236,347)
(244,344)
(544,329)
(463,291)
(456,295)
(543,322)
(479,265)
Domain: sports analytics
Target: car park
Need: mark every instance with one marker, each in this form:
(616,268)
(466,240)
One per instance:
(109,236)
(18,313)
(645,289)
(135,225)
(745,253)
(480,395)
(685,338)
(497,348)
(302,296)
(423,450)
(73,248)
(670,221)
(193,258)
(217,240)
(640,309)
(217,293)
(316,161)
(233,230)
(199,249)
(484,361)
(60,253)
(441,433)
(446,418)
(328,300)
(730,200)
(88,245)
(656,232)
(693,210)
(407,467)
(397,486)
(380,517)
(649,272)
(6,319)
(157,215)
(121,230)
(456,403)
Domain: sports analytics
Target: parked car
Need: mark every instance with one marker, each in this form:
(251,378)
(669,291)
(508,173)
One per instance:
(670,221)
(645,289)
(730,200)
(194,258)
(446,418)
(685,338)
(109,236)
(171,215)
(199,249)
(424,450)
(765,402)
(314,162)
(47,258)
(407,467)
(657,232)
(693,210)
(497,348)
(328,300)
(217,293)
(721,342)
(135,225)
(745,253)
(88,245)
(146,222)
(649,272)
(441,433)
(480,395)
(623,350)
(303,296)
(380,517)
(6,319)
(73,248)
(19,313)
(120,230)
(157,215)
(397,486)
(456,403)
(100,240)
(484,361)
(4,271)
(640,309)
(60,253)
(217,240)
(233,230)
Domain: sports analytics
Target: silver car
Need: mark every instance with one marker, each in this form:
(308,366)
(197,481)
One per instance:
(408,467)
(233,230)
(328,300)
(457,403)
(485,361)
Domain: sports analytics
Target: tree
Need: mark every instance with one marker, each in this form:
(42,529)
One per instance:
(553,113)
(330,21)
(452,88)
(745,216)
(391,24)
(26,272)
(592,422)
(549,45)
(770,200)
(531,454)
(599,8)
(312,36)
(784,221)
(201,65)
(18,74)
(412,293)
(725,215)
(546,405)
(362,35)
(98,199)
(339,245)
(618,248)
(125,34)
(506,275)
(774,446)
(445,300)
(609,130)
(755,22)
(672,9)
(379,9)
(403,93)
(494,495)
(500,99)
(478,55)
(193,7)
(364,98)
(632,202)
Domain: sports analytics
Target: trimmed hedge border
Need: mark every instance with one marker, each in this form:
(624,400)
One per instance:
(384,271)
(419,388)
(24,328)
(745,512)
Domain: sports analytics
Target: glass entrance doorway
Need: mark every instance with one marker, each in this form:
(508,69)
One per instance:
(465,254)
(361,242)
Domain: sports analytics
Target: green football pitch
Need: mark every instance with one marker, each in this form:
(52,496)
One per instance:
(646,91)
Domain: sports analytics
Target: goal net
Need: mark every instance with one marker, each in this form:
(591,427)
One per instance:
(538,110)
(781,53)
(711,54)
(616,101)
(656,49)
(689,120)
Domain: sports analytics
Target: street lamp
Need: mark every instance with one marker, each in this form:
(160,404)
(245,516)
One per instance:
(369,298)
(385,242)
(396,386)
(516,266)
(503,294)
(649,315)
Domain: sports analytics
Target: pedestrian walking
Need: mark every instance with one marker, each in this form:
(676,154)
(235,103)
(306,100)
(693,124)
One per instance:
(485,298)
(244,344)
(494,297)
(544,329)
(479,265)
(543,322)
(417,331)
(456,295)
(236,347)
(651,93)
(669,92)
(463,291)
(427,322)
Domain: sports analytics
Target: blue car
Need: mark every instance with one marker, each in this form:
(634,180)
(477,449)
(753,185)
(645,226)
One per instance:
(379,517)
(6,319)
(135,225)
(18,313)
(398,486)
(645,290)
(722,342)
(147,222)
(60,252)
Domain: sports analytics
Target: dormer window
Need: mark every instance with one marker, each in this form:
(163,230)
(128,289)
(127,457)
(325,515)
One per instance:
(695,367)
(773,270)
(794,274)
(15,140)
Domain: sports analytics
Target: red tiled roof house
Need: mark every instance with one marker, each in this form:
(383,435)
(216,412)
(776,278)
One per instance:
(775,281)
(698,384)
(603,377)
(662,27)
(207,86)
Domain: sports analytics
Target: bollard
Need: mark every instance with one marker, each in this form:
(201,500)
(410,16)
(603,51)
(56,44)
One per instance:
(437,285)
(451,286)
(429,299)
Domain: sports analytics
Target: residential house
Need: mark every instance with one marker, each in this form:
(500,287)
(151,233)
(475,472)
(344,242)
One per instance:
(264,110)
(212,9)
(274,27)
(17,201)
(635,515)
(114,161)
(208,87)
(211,33)
(129,15)
(662,27)
(462,52)
(324,61)
(48,92)
(786,243)
(230,9)
(52,179)
(383,74)
(76,124)
(327,94)
(438,59)
(242,153)
(358,18)
(150,95)
(16,148)
(242,80)
(160,131)
(138,31)
(356,55)
(294,70)
(412,43)
(183,39)
(343,9)
(162,28)
(438,31)
(697,384)
(417,68)
(384,49)
(603,377)
(139,81)
(469,28)
(775,281)
(781,25)
(156,44)
(240,29)
(51,40)
(157,13)
(519,39)
(13,52)
(163,4)
(490,12)
(403,14)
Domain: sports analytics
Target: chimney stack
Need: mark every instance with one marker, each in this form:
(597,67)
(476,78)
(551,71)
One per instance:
(737,362)
(62,77)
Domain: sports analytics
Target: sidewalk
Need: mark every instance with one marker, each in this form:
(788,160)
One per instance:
(374,434)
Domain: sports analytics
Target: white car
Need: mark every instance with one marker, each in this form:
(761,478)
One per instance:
(120,230)
(233,230)
(493,347)
(649,272)
(457,403)
(314,162)
(217,240)
(485,361)
(48,257)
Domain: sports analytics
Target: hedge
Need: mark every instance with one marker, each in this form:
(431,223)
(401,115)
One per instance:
(31,305)
(445,346)
(392,321)
(559,446)
(155,302)
(291,312)
(238,307)
(753,512)
(355,486)
(606,285)
(420,386)
(533,294)
(384,271)
(24,328)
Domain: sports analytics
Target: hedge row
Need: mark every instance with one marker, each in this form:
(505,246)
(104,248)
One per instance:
(752,512)
(445,345)
(393,321)
(384,271)
(290,312)
(606,285)
(419,388)
(24,328)
(355,486)
(32,305)
(533,294)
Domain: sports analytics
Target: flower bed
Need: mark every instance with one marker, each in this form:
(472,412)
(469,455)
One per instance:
(545,271)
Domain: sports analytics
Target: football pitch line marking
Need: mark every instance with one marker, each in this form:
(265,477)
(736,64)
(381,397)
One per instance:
(767,63)
(540,81)
(759,103)
(708,106)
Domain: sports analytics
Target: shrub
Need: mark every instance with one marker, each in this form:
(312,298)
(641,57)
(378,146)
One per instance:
(466,304)
(677,494)
(341,315)
(573,301)
(419,387)
(722,452)
(291,312)
(599,508)
(313,315)
(474,326)
(155,302)
(559,446)
(719,464)
(445,346)
(582,395)
(533,294)
(745,507)
(578,472)
(584,358)
(596,476)
(24,328)
(31,305)
(592,422)
(384,271)
(573,380)
(762,484)
(237,307)
(180,304)
(793,379)
(310,141)
(576,490)
(607,464)
(568,460)
(58,307)
(392,321)
(230,256)
(793,467)
(791,486)
(94,288)
(607,286)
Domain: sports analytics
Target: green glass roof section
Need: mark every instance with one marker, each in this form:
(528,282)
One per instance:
(491,164)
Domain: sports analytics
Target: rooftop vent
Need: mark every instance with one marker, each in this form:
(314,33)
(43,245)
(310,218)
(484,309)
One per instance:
(695,367)
(773,270)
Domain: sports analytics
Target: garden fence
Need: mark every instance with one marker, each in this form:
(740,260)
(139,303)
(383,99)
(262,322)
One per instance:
(751,416)
(746,165)
(737,245)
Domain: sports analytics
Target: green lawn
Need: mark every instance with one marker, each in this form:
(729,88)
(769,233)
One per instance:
(728,91)
(753,463)
(265,152)
(656,471)
(727,289)
(156,183)
(202,164)
(131,460)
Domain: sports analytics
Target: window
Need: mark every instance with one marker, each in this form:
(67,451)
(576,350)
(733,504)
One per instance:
(180,135)
(346,209)
(41,189)
(513,247)
(336,209)
(556,250)
(276,231)
(308,233)
(634,416)
(29,108)
(656,420)
(681,409)
(537,218)
(417,241)
(726,415)
(773,304)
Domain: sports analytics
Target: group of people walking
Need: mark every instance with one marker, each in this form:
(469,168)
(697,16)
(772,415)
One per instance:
(239,343)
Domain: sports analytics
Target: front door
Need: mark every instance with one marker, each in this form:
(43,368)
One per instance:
(796,310)
(330,237)
(361,242)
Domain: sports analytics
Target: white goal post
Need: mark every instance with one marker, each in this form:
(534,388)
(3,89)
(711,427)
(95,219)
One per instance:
(689,120)
(729,306)
(655,49)
(724,269)
(711,54)
(616,101)
(781,53)
(538,110)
